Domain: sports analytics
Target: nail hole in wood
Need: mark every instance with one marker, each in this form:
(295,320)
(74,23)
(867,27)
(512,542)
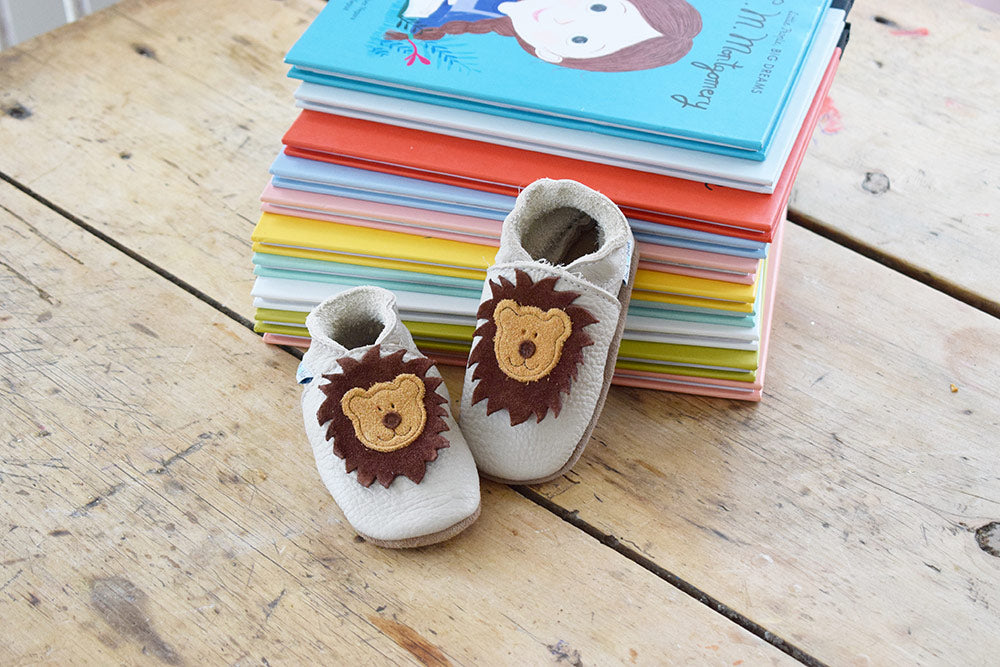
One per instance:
(18,111)
(988,538)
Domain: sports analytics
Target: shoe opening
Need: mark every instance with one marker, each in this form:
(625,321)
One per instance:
(355,327)
(561,236)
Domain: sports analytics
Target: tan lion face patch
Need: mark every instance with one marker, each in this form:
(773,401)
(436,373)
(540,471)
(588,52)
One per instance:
(388,415)
(529,340)
(496,358)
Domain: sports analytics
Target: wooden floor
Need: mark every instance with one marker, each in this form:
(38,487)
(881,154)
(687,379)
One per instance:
(161,504)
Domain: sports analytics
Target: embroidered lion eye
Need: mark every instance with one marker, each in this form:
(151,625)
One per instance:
(598,8)
(579,39)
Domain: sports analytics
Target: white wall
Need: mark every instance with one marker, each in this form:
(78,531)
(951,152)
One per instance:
(21,20)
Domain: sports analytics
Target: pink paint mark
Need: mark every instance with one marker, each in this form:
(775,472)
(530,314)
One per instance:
(410,59)
(830,121)
(918,32)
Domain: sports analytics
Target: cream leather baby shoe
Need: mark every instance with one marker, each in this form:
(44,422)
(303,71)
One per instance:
(379,420)
(549,323)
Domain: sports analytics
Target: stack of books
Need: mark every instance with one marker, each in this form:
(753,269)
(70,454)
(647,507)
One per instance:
(422,121)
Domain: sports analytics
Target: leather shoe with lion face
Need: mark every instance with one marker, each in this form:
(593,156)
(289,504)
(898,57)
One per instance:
(549,324)
(379,420)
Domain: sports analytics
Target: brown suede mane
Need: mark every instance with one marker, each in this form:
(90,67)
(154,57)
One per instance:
(523,399)
(412,459)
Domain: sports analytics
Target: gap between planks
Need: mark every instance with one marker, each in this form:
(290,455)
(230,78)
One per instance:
(805,221)
(131,254)
(569,516)
(897,264)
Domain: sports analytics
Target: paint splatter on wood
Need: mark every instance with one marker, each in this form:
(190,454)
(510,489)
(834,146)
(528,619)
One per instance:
(916,32)
(900,31)
(830,121)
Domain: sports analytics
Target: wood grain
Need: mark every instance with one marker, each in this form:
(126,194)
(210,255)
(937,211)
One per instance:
(909,151)
(840,514)
(161,506)
(850,498)
(155,122)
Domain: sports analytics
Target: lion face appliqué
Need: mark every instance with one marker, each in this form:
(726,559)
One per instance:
(388,415)
(530,347)
(384,416)
(529,341)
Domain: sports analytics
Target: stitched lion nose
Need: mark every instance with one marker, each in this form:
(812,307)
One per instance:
(391,420)
(526,349)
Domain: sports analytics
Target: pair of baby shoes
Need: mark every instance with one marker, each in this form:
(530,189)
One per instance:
(377,412)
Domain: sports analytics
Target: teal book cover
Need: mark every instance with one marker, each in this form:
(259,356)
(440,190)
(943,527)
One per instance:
(669,71)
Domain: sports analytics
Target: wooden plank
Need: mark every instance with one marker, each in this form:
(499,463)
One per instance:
(908,151)
(159,502)
(158,122)
(735,463)
(853,497)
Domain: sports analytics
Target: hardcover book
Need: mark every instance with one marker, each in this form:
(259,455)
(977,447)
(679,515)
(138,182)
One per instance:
(591,146)
(276,294)
(709,74)
(422,320)
(505,170)
(376,247)
(659,256)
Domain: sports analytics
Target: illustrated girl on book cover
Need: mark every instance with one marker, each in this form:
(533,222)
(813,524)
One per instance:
(596,35)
